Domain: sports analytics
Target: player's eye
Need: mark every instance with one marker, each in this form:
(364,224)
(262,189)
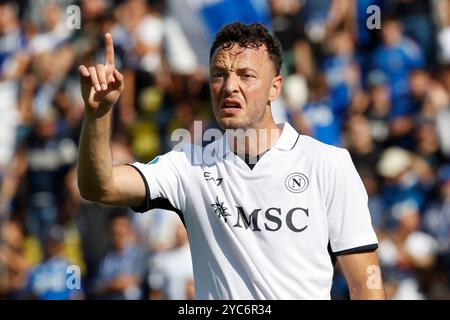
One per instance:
(247,76)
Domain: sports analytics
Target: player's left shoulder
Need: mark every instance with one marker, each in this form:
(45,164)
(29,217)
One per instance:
(320,151)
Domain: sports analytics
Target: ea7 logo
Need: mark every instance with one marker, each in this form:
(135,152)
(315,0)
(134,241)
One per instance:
(208,176)
(296,182)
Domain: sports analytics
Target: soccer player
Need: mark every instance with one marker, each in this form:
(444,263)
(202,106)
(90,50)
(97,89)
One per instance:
(257,231)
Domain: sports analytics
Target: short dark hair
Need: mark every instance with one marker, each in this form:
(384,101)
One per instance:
(252,36)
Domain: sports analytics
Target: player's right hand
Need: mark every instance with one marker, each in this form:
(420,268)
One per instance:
(101,85)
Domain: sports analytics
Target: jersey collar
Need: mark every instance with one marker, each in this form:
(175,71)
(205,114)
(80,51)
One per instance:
(287,141)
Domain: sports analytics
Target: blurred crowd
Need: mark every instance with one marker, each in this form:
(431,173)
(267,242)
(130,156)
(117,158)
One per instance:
(376,85)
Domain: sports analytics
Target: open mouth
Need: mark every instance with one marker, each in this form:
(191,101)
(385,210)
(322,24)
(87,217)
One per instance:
(231,104)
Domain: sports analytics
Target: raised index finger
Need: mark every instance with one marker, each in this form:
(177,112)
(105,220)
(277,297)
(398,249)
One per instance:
(109,49)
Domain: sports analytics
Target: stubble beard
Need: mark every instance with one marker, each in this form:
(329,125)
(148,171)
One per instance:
(249,122)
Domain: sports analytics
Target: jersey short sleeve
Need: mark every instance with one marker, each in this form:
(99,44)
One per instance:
(349,223)
(164,182)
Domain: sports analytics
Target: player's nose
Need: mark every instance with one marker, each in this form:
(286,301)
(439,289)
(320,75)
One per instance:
(231,84)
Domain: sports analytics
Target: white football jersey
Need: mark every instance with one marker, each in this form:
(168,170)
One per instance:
(263,233)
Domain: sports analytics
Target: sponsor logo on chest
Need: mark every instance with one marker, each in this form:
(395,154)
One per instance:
(270,219)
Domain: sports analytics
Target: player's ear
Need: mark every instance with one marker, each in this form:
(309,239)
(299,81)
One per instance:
(275,89)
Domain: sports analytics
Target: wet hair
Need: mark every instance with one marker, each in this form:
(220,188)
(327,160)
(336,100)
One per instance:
(252,36)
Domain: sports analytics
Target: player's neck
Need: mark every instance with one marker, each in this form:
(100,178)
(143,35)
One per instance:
(252,142)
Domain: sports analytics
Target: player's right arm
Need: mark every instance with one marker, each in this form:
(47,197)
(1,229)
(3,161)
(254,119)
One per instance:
(98,179)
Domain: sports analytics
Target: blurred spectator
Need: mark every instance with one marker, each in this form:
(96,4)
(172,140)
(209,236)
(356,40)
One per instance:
(157,229)
(54,29)
(50,279)
(171,272)
(402,183)
(321,116)
(296,94)
(287,22)
(93,225)
(442,9)
(379,107)
(341,70)
(140,33)
(376,202)
(315,15)
(443,131)
(122,271)
(34,10)
(437,219)
(436,100)
(397,56)
(365,152)
(147,31)
(13,63)
(419,80)
(416,18)
(427,143)
(44,160)
(363,149)
(289,27)
(436,107)
(13,262)
(406,251)
(190,21)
